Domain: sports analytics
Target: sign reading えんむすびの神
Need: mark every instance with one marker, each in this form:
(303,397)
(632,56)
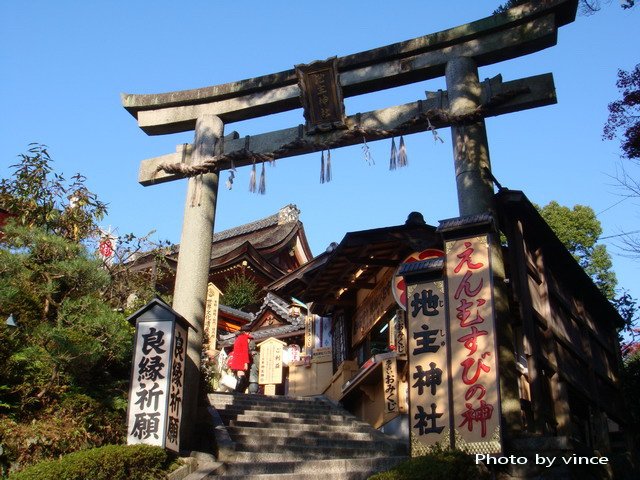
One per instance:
(157,379)
(475,394)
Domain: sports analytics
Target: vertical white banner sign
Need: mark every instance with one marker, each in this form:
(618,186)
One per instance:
(390,385)
(428,375)
(149,391)
(177,389)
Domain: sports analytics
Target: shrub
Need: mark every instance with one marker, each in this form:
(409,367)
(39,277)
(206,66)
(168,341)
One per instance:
(113,462)
(449,464)
(78,422)
(241,291)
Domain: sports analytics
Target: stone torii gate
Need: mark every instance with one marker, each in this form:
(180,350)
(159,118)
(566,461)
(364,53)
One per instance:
(319,88)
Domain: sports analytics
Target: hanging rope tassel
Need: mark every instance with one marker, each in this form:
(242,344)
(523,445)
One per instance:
(403,161)
(366,152)
(322,168)
(328,166)
(262,189)
(252,179)
(393,161)
(433,130)
(232,175)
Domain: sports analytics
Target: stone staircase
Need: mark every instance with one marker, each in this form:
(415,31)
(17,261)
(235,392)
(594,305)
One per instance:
(296,438)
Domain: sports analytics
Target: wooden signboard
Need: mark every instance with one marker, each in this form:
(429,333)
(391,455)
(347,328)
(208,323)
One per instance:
(308,335)
(211,314)
(476,388)
(398,334)
(176,392)
(321,95)
(390,385)
(428,371)
(271,361)
(372,308)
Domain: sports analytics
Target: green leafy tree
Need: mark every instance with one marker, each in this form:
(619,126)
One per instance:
(71,350)
(40,197)
(579,230)
(587,7)
(623,123)
(624,114)
(241,291)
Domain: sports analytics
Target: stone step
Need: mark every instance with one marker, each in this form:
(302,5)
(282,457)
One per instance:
(301,453)
(296,427)
(248,441)
(299,438)
(295,434)
(265,400)
(311,418)
(282,408)
(326,467)
(298,476)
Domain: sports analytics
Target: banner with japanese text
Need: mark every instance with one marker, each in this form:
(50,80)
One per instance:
(398,334)
(308,335)
(390,386)
(177,388)
(211,315)
(270,369)
(150,387)
(428,375)
(475,382)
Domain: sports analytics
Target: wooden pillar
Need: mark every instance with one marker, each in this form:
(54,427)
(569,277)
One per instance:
(192,273)
(520,283)
(475,196)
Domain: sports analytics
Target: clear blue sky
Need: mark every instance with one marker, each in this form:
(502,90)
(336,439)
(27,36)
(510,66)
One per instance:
(64,64)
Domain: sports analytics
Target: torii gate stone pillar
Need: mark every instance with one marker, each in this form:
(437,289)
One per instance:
(475,196)
(194,258)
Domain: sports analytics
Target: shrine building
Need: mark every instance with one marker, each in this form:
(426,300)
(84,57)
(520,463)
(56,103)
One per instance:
(559,358)
(263,250)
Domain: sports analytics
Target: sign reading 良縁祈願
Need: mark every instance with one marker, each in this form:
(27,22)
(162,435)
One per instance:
(154,414)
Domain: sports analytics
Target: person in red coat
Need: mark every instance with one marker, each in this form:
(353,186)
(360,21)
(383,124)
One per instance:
(240,360)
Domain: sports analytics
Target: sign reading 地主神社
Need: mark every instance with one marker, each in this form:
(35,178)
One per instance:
(428,375)
(321,95)
(474,366)
(157,378)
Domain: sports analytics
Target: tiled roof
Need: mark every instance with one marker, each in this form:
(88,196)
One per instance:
(227,340)
(278,305)
(288,214)
(236,313)
(262,234)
